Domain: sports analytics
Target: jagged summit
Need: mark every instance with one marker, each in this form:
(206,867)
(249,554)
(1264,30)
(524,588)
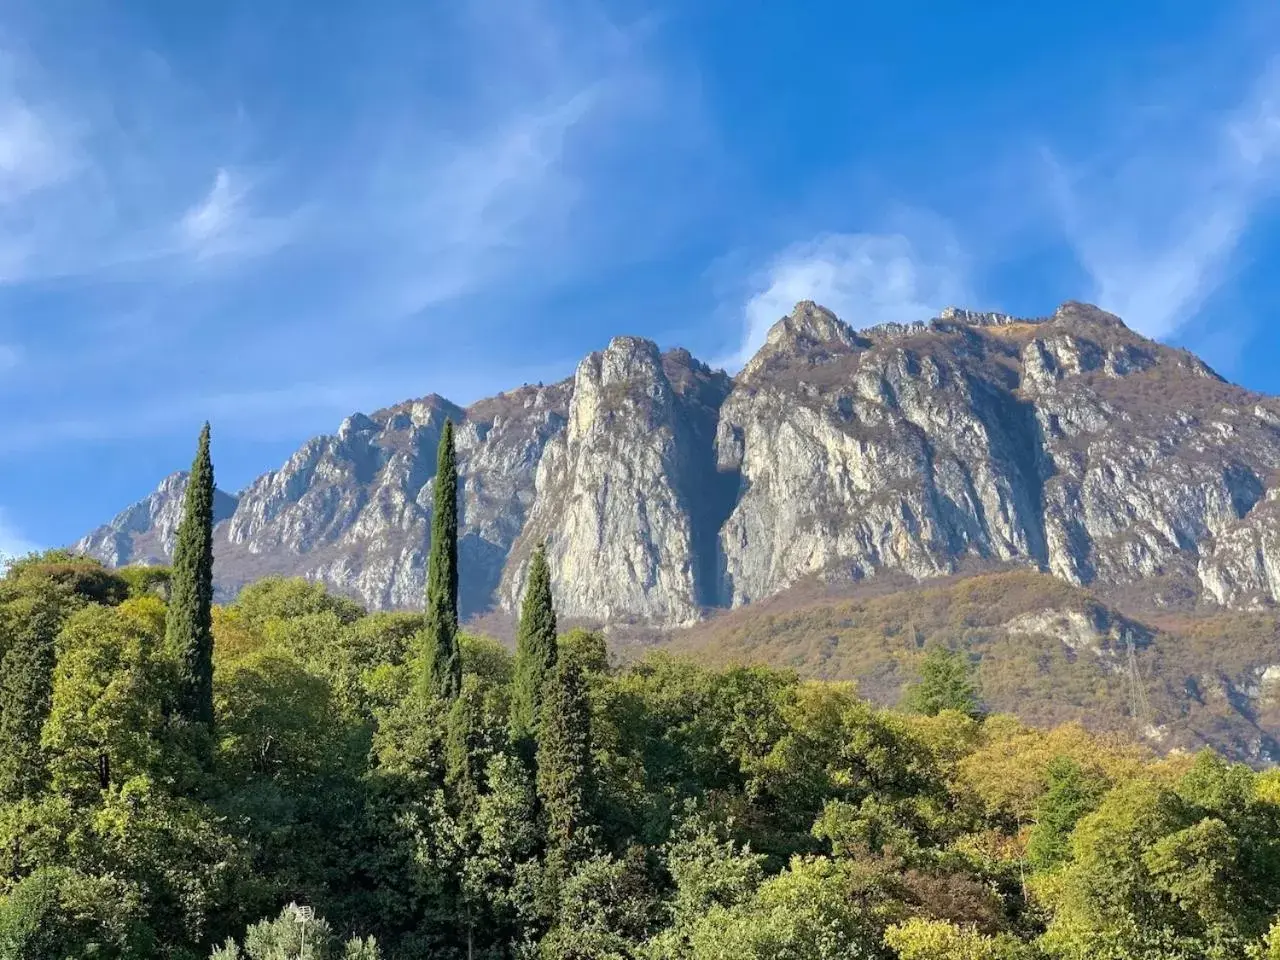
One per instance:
(145,531)
(1066,443)
(809,330)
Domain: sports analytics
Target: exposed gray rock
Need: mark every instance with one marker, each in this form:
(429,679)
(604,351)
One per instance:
(1066,442)
(621,489)
(145,532)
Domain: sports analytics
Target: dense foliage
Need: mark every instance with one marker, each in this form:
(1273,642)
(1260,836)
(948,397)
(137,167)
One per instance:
(443,666)
(188,629)
(667,811)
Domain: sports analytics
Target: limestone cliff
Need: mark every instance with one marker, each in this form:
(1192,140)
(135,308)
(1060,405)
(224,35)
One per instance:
(1066,443)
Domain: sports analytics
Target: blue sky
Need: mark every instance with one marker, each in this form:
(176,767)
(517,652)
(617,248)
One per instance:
(273,214)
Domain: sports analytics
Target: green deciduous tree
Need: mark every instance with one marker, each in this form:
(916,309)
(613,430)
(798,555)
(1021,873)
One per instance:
(1158,873)
(106,720)
(189,627)
(709,870)
(57,913)
(921,939)
(442,660)
(293,935)
(535,648)
(817,909)
(1071,794)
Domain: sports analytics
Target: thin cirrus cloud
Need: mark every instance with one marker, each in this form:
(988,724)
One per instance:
(13,543)
(223,223)
(487,205)
(405,203)
(1159,228)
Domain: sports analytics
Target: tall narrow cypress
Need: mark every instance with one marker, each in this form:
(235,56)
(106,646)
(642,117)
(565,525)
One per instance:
(443,660)
(26,694)
(535,649)
(189,625)
(564,778)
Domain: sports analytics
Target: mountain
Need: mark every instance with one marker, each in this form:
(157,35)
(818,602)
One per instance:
(145,532)
(1094,515)
(664,489)
(1043,649)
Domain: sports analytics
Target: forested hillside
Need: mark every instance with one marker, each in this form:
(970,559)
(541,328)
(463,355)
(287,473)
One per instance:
(186,781)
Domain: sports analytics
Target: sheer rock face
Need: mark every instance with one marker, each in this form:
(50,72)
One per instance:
(145,532)
(354,509)
(1067,443)
(624,491)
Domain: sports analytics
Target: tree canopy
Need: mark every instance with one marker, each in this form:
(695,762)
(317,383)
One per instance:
(670,811)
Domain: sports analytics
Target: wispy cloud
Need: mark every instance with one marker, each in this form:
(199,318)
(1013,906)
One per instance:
(1157,225)
(475,162)
(481,206)
(864,278)
(33,154)
(12,543)
(223,223)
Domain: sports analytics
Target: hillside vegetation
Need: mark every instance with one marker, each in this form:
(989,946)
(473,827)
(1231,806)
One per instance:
(714,813)
(289,776)
(1041,648)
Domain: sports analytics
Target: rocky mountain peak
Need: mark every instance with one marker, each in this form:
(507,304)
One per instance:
(1065,443)
(809,334)
(810,325)
(145,532)
(1074,310)
(977,318)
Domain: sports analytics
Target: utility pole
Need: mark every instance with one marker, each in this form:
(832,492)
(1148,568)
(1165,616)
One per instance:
(1139,707)
(304,915)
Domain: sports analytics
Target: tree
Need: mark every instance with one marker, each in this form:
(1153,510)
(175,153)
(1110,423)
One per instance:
(189,627)
(1162,874)
(946,683)
(921,939)
(709,870)
(57,913)
(564,761)
(443,660)
(105,722)
(296,933)
(817,909)
(535,649)
(26,692)
(1072,793)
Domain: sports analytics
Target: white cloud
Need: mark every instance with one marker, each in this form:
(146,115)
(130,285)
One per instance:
(224,224)
(217,213)
(864,278)
(13,544)
(1157,229)
(33,153)
(10,357)
(475,209)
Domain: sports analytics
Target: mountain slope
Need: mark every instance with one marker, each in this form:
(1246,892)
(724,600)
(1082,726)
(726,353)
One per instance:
(145,532)
(1066,444)
(1044,649)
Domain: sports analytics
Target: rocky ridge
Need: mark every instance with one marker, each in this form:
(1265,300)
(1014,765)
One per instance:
(1065,443)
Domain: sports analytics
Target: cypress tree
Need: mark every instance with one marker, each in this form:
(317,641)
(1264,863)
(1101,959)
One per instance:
(189,624)
(564,762)
(26,694)
(464,753)
(443,659)
(535,649)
